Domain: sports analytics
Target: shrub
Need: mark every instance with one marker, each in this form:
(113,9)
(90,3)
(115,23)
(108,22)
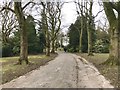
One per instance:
(6,50)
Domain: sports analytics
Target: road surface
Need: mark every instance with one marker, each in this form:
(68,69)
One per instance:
(65,71)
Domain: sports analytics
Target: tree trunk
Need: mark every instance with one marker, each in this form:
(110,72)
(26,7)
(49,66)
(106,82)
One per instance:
(119,32)
(47,44)
(82,27)
(53,36)
(113,54)
(89,31)
(53,46)
(81,35)
(90,43)
(45,27)
(56,45)
(23,33)
(119,48)
(114,38)
(24,45)
(114,34)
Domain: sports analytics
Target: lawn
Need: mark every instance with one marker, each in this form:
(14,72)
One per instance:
(110,72)
(11,71)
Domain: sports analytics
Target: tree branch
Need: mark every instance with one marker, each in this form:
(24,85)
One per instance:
(26,5)
(98,13)
(7,9)
(114,6)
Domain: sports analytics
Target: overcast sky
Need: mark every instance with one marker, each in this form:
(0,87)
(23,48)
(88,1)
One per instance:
(69,14)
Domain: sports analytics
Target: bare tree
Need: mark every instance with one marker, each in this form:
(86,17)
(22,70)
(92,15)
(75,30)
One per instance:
(86,16)
(80,11)
(51,22)
(113,30)
(55,22)
(19,12)
(90,27)
(45,26)
(8,23)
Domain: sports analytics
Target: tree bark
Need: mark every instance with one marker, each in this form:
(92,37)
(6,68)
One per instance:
(47,44)
(23,33)
(45,27)
(90,30)
(114,34)
(119,32)
(82,27)
(81,35)
(53,34)
(119,47)
(53,46)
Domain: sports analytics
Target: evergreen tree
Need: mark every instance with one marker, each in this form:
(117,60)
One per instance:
(32,36)
(74,36)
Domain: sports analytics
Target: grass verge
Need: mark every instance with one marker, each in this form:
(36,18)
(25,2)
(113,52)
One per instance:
(110,72)
(11,71)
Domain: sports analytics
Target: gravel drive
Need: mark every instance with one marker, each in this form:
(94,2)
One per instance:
(65,71)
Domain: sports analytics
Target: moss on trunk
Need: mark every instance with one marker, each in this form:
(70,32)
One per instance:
(114,35)
(23,33)
(111,61)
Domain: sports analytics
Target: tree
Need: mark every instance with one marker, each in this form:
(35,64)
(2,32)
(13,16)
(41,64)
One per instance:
(51,22)
(23,33)
(55,22)
(32,36)
(102,41)
(42,42)
(45,27)
(80,11)
(19,12)
(88,21)
(119,34)
(73,38)
(74,35)
(8,25)
(90,29)
(113,30)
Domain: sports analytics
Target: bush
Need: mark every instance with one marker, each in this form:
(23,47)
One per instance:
(16,50)
(101,47)
(7,50)
(73,49)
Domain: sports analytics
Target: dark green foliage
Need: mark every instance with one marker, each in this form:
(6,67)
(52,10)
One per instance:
(85,40)
(102,42)
(36,43)
(42,42)
(32,37)
(15,41)
(74,36)
(100,38)
(6,50)
(101,47)
(12,47)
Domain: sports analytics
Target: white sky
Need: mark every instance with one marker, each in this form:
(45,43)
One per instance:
(69,14)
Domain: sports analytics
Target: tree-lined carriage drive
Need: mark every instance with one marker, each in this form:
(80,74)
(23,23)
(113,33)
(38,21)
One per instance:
(49,29)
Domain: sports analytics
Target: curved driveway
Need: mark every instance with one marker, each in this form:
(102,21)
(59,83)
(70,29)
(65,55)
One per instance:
(66,71)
